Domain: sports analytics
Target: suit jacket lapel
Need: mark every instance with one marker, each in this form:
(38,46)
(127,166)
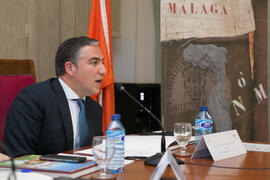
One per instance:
(93,115)
(64,112)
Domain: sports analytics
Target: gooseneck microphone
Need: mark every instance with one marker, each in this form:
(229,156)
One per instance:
(6,150)
(152,160)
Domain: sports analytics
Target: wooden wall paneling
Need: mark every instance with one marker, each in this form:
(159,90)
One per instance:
(46,35)
(116,18)
(14,19)
(156,4)
(49,29)
(74,18)
(124,48)
(34,28)
(33,36)
(82,14)
(145,42)
(67,19)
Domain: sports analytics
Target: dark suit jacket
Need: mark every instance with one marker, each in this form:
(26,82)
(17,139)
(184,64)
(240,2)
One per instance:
(39,120)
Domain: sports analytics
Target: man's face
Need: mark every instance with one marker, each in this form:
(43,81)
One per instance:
(90,71)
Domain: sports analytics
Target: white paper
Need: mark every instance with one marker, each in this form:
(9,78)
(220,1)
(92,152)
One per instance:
(127,161)
(221,145)
(85,151)
(24,176)
(145,146)
(257,147)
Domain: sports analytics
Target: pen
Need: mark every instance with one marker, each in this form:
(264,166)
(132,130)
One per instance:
(136,157)
(26,170)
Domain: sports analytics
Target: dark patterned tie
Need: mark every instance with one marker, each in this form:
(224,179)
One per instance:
(83,126)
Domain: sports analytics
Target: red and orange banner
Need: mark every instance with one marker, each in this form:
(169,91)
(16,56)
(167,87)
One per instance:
(100,28)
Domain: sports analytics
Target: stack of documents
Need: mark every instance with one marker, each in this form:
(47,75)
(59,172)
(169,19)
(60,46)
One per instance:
(50,168)
(140,146)
(144,146)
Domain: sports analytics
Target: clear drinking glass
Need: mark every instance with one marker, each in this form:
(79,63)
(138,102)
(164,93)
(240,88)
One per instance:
(103,149)
(182,134)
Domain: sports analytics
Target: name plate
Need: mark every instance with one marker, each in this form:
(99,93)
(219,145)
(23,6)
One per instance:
(219,146)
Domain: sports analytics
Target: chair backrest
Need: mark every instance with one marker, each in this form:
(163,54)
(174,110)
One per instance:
(14,75)
(17,67)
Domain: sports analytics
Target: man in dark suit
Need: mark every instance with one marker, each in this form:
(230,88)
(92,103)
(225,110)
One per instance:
(45,117)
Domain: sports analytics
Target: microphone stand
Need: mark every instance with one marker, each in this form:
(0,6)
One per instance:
(152,160)
(6,149)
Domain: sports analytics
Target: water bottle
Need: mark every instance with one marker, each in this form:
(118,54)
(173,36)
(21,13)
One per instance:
(203,124)
(117,131)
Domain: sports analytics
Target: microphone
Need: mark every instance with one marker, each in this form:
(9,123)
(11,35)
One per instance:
(152,160)
(7,150)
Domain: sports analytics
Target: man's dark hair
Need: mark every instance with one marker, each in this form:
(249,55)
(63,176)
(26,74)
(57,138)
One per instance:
(69,50)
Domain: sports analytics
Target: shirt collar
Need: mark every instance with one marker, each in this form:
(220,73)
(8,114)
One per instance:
(70,94)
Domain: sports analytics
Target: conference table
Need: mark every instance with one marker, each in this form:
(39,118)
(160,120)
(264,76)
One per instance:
(253,165)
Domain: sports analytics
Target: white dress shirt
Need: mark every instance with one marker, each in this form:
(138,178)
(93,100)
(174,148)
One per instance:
(73,107)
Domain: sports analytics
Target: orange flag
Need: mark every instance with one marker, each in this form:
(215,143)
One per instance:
(100,28)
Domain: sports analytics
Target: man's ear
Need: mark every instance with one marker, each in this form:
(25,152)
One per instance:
(70,68)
